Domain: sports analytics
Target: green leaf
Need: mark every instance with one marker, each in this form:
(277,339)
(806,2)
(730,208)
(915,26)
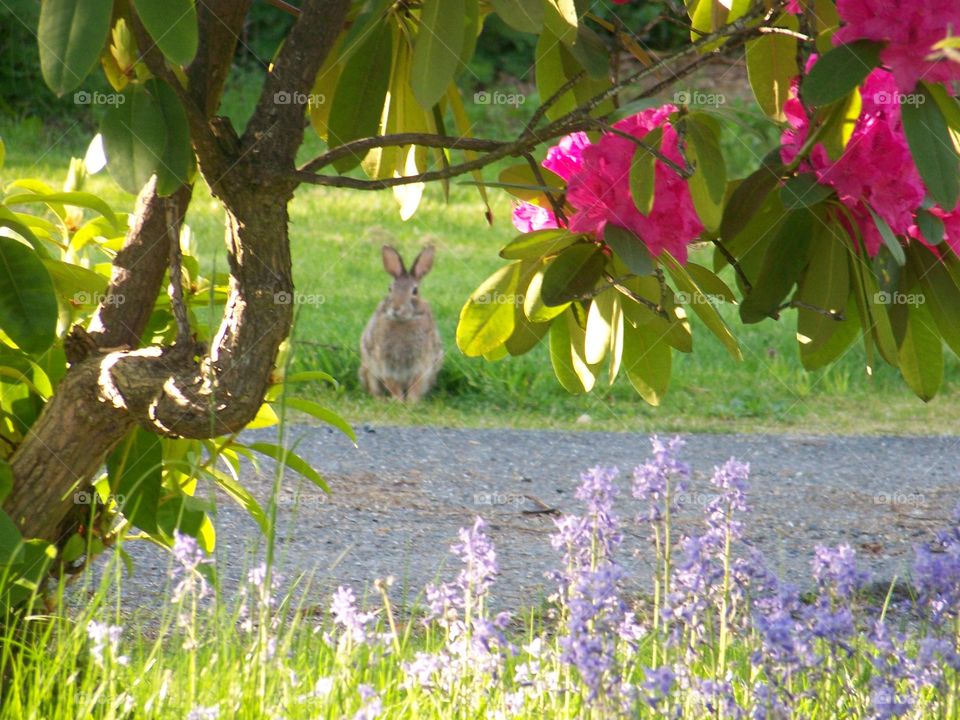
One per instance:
(361,90)
(931,227)
(948,104)
(538,244)
(177,162)
(643,172)
(710,283)
(750,195)
(135,470)
(28,304)
(6,480)
(555,66)
(932,148)
(292,461)
(941,293)
(629,248)
(708,184)
(134,139)
(321,413)
(921,354)
(803,191)
(701,305)
(560,355)
(889,239)
(782,263)
(71,35)
(573,273)
(560,19)
(839,72)
(436,52)
(648,362)
(173,26)
(599,328)
(310,375)
(523,15)
(533,305)
(825,285)
(520,182)
(79,199)
(816,355)
(487,318)
(240,495)
(526,335)
(771,68)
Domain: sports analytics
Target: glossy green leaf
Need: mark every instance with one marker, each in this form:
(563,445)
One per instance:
(361,90)
(710,283)
(173,26)
(708,184)
(783,261)
(643,172)
(814,356)
(561,357)
(889,239)
(177,162)
(572,274)
(554,67)
(70,35)
(526,335)
(825,286)
(539,243)
(921,354)
(292,461)
(28,304)
(6,480)
(523,15)
(648,362)
(630,249)
(135,469)
(487,318)
(701,304)
(750,196)
(436,52)
(321,413)
(771,68)
(931,227)
(134,139)
(78,199)
(941,293)
(803,191)
(839,72)
(932,148)
(599,328)
(533,305)
(239,494)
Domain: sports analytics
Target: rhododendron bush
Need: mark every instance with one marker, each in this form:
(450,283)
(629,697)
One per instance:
(852,223)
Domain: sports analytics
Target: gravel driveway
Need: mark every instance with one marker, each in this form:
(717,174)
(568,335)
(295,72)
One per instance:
(399,498)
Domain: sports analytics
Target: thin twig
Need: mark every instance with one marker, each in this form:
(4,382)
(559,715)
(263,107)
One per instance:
(555,203)
(728,256)
(541,111)
(184,335)
(617,284)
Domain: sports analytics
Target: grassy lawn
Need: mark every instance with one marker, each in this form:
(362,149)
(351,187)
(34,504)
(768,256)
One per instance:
(339,279)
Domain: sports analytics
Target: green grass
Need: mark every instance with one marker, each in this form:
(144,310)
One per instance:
(336,235)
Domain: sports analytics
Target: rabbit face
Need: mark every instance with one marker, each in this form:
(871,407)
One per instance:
(403,303)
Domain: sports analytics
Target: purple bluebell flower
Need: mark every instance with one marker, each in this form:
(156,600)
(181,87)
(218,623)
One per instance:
(343,607)
(653,478)
(835,569)
(189,557)
(476,551)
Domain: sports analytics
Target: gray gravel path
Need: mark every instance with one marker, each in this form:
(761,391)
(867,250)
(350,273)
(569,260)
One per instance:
(399,498)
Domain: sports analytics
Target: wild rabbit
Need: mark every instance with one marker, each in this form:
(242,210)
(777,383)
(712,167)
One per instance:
(400,350)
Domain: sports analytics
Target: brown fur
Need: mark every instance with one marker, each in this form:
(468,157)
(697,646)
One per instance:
(400,350)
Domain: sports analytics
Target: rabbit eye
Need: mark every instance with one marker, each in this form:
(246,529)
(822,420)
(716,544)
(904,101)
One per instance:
(415,290)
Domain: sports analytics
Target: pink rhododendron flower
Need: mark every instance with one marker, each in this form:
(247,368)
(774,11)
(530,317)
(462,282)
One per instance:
(876,167)
(600,192)
(528,217)
(910,28)
(566,158)
(794,6)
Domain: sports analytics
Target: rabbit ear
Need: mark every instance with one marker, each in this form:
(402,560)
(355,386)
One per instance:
(423,263)
(392,262)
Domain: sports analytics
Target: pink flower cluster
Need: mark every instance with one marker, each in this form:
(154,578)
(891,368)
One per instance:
(598,187)
(875,169)
(909,28)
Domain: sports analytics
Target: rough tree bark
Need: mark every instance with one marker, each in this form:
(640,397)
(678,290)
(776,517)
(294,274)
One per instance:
(169,390)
